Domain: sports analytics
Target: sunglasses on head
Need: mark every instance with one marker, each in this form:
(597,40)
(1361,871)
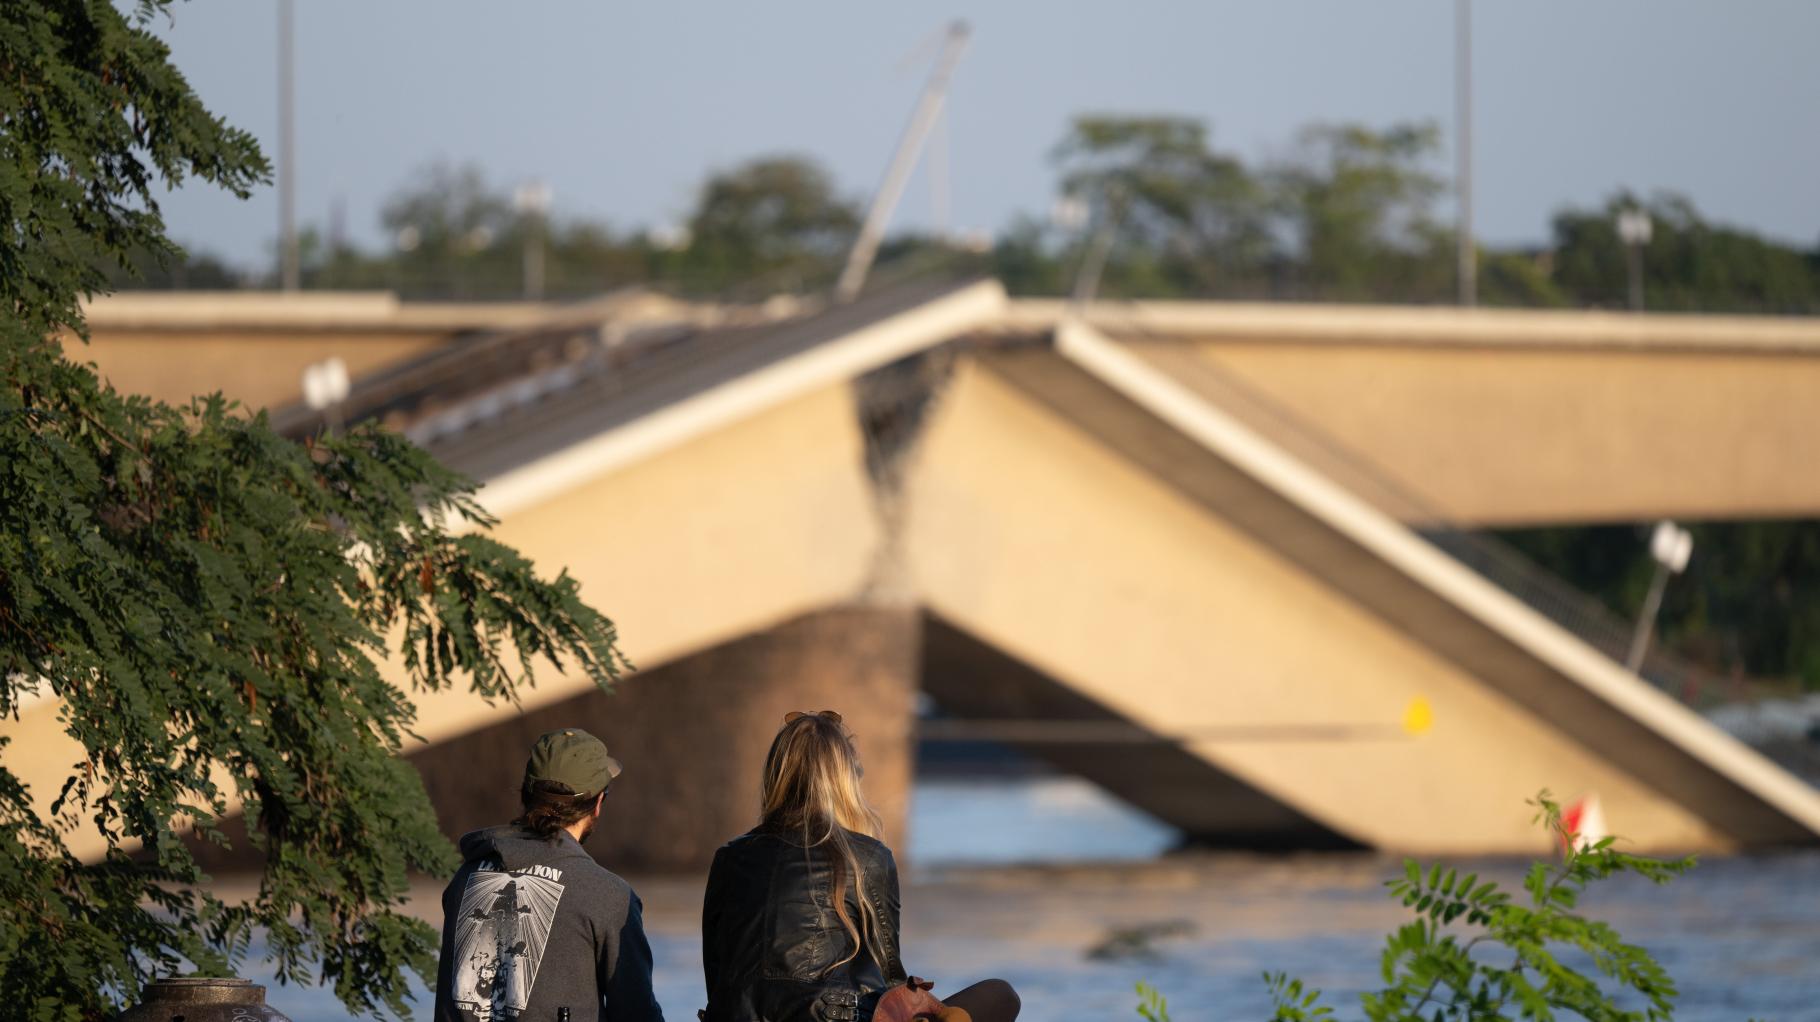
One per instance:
(795,715)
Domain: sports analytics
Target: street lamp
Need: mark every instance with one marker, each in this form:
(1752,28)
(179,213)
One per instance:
(290,271)
(1634,230)
(1466,259)
(325,387)
(1670,546)
(532,201)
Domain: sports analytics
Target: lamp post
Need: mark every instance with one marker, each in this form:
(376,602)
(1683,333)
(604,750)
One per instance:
(325,387)
(1634,230)
(1670,546)
(1466,260)
(1099,248)
(289,270)
(532,201)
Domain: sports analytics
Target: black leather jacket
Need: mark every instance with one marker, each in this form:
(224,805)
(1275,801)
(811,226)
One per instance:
(769,931)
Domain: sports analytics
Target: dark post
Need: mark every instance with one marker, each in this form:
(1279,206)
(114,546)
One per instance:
(195,999)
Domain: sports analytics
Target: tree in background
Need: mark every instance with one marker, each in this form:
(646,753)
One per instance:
(1186,219)
(1689,264)
(203,603)
(1359,204)
(1347,216)
(772,224)
(776,217)
(443,228)
(1748,604)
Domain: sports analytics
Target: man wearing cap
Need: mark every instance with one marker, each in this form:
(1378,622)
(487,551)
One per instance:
(533,927)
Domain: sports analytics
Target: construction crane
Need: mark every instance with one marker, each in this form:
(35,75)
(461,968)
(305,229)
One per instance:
(909,147)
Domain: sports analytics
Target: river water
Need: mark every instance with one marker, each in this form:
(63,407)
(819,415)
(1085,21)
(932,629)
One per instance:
(1024,879)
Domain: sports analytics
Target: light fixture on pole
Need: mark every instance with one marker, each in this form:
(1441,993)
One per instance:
(325,387)
(1098,247)
(1635,230)
(1670,546)
(532,201)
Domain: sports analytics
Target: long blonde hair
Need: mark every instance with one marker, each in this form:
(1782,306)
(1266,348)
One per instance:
(811,786)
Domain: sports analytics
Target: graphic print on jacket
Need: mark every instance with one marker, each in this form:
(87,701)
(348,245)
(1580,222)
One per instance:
(500,933)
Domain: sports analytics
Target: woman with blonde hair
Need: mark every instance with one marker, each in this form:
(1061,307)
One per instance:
(800,921)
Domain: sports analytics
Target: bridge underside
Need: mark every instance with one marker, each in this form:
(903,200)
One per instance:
(973,681)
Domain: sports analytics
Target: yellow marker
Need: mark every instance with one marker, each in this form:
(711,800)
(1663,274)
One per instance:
(1418,716)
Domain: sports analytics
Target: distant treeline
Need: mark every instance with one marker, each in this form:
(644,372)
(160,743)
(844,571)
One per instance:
(1348,215)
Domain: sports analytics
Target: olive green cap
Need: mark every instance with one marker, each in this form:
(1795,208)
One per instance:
(574,759)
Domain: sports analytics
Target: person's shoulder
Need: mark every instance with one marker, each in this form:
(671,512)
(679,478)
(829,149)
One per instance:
(601,887)
(758,838)
(871,847)
(586,868)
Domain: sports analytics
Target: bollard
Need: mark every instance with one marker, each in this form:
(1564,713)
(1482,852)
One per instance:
(194,999)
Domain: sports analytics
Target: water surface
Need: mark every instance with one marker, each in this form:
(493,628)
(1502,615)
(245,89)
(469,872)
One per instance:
(1022,879)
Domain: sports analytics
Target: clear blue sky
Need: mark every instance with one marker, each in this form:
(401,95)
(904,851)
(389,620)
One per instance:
(623,107)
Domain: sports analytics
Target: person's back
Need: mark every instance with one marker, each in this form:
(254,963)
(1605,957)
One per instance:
(532,925)
(800,917)
(774,948)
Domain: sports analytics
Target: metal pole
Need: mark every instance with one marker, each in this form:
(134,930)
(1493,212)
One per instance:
(865,247)
(1099,250)
(1646,623)
(1635,253)
(1466,256)
(534,235)
(289,273)
(938,176)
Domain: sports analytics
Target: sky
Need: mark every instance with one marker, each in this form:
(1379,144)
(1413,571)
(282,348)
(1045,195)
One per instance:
(623,108)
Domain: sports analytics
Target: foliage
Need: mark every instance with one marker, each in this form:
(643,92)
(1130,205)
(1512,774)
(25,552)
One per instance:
(1748,603)
(173,271)
(95,116)
(1152,1006)
(1294,1002)
(1189,217)
(1348,213)
(445,223)
(1359,204)
(1689,264)
(200,605)
(776,217)
(776,222)
(1475,952)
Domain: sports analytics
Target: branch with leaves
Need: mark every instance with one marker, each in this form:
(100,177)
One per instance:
(1475,952)
(202,605)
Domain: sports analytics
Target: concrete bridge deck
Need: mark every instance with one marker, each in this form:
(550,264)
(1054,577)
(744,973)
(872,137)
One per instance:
(1514,417)
(921,490)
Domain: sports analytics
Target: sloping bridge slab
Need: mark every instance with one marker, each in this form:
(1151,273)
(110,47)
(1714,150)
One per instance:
(1080,512)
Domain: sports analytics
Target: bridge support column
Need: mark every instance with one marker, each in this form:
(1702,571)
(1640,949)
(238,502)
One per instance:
(693,734)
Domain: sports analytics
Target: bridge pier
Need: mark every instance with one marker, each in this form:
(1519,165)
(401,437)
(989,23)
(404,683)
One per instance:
(693,734)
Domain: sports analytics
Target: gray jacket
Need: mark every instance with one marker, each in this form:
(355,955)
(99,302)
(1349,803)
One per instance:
(532,926)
